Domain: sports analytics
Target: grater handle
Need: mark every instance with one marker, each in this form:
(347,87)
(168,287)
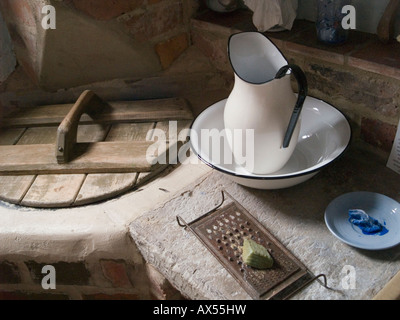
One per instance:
(185,225)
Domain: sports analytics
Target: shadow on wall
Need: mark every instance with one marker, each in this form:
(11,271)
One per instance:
(7,56)
(80,50)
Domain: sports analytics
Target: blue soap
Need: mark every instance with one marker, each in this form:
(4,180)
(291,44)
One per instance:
(367,224)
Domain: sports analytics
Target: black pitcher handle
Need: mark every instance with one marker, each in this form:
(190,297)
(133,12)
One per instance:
(302,95)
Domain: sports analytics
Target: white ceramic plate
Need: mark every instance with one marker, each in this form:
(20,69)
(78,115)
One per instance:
(378,206)
(325,134)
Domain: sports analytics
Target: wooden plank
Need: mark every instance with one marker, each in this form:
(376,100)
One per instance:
(130,131)
(92,132)
(118,111)
(175,134)
(53,191)
(166,131)
(10,136)
(98,187)
(146,111)
(47,135)
(144,177)
(173,130)
(44,135)
(48,190)
(14,188)
(97,157)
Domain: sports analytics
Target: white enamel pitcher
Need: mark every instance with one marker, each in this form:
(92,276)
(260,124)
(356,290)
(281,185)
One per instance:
(262,106)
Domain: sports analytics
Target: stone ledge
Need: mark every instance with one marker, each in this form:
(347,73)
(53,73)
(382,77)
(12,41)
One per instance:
(362,50)
(89,246)
(294,216)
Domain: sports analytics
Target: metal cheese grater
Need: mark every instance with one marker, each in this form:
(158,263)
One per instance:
(222,231)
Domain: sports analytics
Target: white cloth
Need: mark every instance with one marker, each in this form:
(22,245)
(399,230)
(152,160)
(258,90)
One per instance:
(273,14)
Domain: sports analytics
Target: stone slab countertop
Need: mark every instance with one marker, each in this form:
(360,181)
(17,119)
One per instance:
(295,216)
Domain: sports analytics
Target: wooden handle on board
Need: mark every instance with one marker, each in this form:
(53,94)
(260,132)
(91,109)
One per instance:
(386,24)
(67,131)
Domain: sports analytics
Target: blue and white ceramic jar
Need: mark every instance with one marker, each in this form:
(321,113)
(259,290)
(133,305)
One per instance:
(329,21)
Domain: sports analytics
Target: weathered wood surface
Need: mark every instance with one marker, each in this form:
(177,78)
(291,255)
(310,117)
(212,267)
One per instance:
(97,157)
(14,189)
(98,187)
(53,191)
(115,112)
(65,190)
(48,191)
(10,136)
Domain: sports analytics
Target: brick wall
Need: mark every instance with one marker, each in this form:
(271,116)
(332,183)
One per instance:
(165,23)
(127,38)
(369,99)
(104,279)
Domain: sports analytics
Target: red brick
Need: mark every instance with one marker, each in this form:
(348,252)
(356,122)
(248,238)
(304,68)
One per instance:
(154,1)
(107,9)
(137,26)
(214,48)
(167,17)
(67,273)
(375,93)
(156,21)
(378,133)
(160,287)
(169,50)
(18,295)
(115,272)
(9,272)
(117,296)
(13,296)
(379,58)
